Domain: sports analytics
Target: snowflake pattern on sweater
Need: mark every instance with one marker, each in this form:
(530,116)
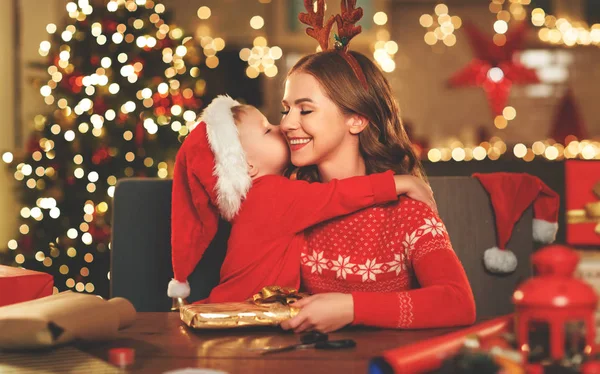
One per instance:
(379,250)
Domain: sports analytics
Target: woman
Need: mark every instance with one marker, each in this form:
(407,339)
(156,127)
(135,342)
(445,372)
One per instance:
(391,266)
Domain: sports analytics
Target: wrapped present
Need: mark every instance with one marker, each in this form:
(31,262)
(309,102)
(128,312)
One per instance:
(61,318)
(271,306)
(18,285)
(582,187)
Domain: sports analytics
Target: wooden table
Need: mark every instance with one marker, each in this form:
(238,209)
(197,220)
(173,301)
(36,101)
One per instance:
(163,343)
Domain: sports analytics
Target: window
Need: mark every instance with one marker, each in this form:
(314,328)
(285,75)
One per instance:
(546,5)
(552,67)
(592,11)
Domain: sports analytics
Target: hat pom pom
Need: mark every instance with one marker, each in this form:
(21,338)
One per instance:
(544,231)
(497,260)
(178,289)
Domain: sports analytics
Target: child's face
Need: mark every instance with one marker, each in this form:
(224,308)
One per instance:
(265,146)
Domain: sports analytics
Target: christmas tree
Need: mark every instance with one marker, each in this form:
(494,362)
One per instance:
(124,88)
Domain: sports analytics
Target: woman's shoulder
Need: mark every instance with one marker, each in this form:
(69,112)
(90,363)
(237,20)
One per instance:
(408,215)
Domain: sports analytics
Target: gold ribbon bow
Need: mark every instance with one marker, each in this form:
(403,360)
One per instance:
(276,294)
(590,213)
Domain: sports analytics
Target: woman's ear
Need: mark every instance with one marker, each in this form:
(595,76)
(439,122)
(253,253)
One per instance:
(252,170)
(356,123)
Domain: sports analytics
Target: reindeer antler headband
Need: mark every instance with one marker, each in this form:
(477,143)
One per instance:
(346,30)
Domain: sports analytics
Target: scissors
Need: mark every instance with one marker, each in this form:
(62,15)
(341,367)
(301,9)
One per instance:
(315,340)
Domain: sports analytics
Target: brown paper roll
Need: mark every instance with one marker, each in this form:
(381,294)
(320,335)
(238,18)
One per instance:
(125,310)
(61,318)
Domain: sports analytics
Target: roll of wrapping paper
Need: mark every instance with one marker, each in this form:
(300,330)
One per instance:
(62,318)
(271,306)
(429,354)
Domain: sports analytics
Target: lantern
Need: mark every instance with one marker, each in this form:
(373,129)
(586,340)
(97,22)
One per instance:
(555,303)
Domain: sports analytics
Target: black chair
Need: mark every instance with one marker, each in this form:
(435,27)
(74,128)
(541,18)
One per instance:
(141,250)
(141,247)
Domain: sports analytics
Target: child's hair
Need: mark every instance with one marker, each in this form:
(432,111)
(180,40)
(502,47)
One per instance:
(238,111)
(384,143)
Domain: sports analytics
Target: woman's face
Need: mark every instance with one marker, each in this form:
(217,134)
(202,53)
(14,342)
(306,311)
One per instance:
(314,126)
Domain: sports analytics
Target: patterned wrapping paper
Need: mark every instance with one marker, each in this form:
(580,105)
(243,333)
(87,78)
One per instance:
(271,306)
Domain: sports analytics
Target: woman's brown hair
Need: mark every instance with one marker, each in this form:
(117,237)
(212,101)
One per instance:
(384,144)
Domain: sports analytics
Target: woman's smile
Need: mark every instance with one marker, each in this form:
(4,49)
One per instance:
(298,143)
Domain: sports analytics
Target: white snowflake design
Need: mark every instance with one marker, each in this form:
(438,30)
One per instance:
(369,270)
(398,264)
(342,267)
(432,226)
(316,262)
(409,242)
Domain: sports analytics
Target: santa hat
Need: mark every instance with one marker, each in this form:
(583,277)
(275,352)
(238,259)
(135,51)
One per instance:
(511,194)
(210,179)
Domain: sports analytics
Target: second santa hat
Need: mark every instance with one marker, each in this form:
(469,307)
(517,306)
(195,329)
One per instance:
(511,194)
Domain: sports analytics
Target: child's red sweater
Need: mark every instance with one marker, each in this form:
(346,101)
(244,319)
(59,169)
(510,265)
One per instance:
(267,234)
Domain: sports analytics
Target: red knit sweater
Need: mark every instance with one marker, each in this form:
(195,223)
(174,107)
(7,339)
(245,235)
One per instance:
(267,234)
(378,254)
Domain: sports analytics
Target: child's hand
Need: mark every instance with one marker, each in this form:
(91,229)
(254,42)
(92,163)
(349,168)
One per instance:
(416,189)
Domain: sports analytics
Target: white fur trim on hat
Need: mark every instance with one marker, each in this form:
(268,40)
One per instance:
(231,168)
(498,260)
(544,231)
(178,289)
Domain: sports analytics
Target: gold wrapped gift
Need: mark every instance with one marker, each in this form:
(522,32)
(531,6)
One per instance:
(590,213)
(271,306)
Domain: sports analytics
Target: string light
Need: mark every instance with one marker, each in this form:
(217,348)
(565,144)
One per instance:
(495,148)
(562,31)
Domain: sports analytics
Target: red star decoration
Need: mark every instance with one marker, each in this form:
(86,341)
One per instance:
(494,68)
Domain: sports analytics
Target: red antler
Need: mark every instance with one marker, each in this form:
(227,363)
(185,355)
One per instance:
(314,19)
(346,20)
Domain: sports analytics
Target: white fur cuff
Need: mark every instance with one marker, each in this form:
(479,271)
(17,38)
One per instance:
(544,231)
(178,289)
(497,260)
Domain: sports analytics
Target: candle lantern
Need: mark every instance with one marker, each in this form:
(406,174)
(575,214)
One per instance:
(555,313)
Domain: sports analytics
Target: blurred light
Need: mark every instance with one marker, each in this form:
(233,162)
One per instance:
(551,153)
(520,150)
(495,74)
(588,152)
(7,157)
(380,18)
(72,233)
(501,27)
(426,20)
(479,153)
(204,12)
(86,238)
(70,135)
(509,113)
(441,9)
(257,22)
(500,122)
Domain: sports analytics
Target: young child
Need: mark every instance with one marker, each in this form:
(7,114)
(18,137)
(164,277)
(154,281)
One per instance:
(233,162)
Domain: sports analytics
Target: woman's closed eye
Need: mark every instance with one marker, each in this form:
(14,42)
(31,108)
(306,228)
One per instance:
(302,112)
(268,131)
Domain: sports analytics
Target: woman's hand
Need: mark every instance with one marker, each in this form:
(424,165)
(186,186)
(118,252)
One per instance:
(324,312)
(416,189)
